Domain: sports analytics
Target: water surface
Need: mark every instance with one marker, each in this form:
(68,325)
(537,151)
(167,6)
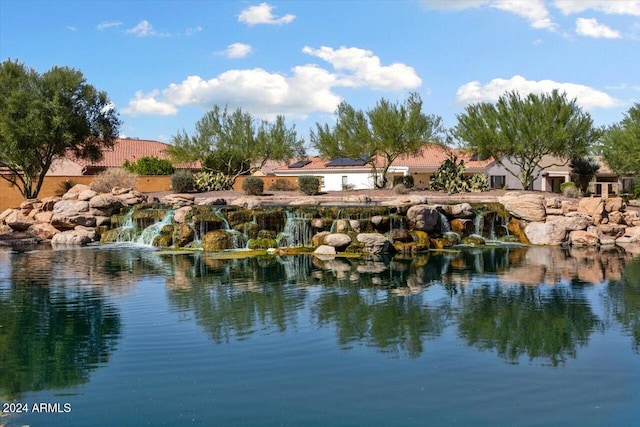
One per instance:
(132,336)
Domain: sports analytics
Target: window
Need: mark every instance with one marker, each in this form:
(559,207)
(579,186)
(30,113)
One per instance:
(497,181)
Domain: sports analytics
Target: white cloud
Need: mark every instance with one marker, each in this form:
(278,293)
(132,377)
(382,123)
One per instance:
(454,5)
(366,70)
(533,11)
(143,29)
(613,7)
(147,104)
(261,14)
(108,24)
(586,96)
(309,88)
(238,50)
(192,31)
(71,28)
(591,28)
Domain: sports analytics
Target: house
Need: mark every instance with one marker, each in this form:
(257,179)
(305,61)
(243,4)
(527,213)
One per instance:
(334,174)
(130,149)
(343,173)
(426,162)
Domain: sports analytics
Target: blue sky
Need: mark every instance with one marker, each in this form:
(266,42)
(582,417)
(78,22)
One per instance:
(165,63)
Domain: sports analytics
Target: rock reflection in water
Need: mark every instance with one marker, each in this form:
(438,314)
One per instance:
(514,300)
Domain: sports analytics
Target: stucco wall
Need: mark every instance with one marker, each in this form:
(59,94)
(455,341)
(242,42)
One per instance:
(512,183)
(10,197)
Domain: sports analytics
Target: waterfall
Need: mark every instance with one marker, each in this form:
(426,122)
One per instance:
(478,223)
(492,230)
(149,234)
(297,230)
(445,226)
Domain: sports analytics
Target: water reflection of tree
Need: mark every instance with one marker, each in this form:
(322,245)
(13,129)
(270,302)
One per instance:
(625,301)
(391,323)
(232,298)
(53,330)
(542,323)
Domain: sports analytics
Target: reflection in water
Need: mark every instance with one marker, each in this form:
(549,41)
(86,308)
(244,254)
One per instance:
(55,326)
(59,321)
(546,323)
(625,301)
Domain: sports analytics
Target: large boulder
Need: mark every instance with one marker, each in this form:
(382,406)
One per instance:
(337,240)
(631,235)
(572,222)
(614,204)
(460,210)
(546,233)
(18,221)
(43,231)
(86,195)
(592,206)
(374,243)
(69,220)
(529,207)
(178,200)
(105,204)
(180,216)
(583,238)
(182,235)
(325,250)
(318,239)
(217,240)
(79,236)
(423,217)
(68,206)
(75,191)
(357,198)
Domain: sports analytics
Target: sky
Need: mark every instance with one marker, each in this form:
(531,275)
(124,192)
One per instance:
(164,64)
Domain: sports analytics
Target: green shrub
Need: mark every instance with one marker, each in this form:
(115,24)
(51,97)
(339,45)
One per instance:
(400,189)
(182,181)
(281,184)
(406,180)
(212,181)
(479,182)
(308,184)
(65,186)
(636,192)
(569,189)
(253,186)
(450,176)
(150,165)
(107,180)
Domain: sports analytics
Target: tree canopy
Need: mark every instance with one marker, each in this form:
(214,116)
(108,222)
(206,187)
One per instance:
(379,135)
(518,132)
(45,116)
(620,145)
(235,143)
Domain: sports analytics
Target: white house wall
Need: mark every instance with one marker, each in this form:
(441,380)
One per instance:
(512,183)
(359,181)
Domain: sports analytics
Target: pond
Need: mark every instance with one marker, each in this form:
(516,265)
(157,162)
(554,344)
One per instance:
(129,336)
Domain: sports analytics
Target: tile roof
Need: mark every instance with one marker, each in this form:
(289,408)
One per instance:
(129,149)
(431,156)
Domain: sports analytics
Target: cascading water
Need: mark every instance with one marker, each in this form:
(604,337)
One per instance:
(149,234)
(478,223)
(445,226)
(297,230)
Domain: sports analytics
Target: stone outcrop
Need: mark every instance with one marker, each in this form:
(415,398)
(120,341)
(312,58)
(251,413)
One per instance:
(529,207)
(423,217)
(374,243)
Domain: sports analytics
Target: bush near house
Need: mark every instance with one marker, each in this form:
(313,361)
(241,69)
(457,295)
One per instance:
(150,165)
(406,180)
(212,181)
(569,189)
(282,185)
(105,181)
(308,184)
(183,182)
(253,186)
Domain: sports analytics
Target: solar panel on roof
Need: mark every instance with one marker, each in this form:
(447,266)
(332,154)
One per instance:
(299,164)
(345,161)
